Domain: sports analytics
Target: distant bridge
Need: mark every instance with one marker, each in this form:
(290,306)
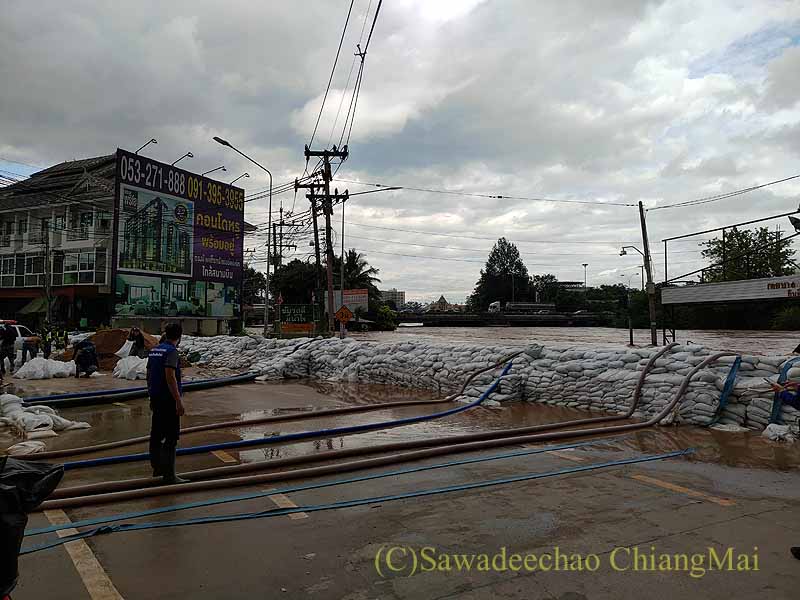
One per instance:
(498,320)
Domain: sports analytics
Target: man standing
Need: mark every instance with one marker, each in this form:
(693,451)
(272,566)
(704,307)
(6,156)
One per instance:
(164,388)
(7,338)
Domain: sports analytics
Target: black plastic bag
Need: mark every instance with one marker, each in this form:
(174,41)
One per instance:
(23,486)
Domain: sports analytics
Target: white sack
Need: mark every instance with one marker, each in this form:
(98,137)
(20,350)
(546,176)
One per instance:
(125,350)
(26,448)
(41,368)
(779,433)
(131,367)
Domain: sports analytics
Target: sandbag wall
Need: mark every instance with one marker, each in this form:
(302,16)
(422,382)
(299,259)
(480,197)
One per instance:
(594,378)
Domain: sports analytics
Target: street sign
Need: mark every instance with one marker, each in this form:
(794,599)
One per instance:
(344,314)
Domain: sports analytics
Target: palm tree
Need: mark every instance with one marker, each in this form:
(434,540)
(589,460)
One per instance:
(358,274)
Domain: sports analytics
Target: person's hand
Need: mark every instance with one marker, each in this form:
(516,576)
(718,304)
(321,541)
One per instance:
(777,387)
(181,411)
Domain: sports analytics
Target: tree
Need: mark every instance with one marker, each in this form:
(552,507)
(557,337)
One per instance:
(504,278)
(747,255)
(358,274)
(253,285)
(413,306)
(294,282)
(546,287)
(385,319)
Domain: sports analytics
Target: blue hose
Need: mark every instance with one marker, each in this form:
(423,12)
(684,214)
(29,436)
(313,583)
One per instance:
(777,402)
(312,486)
(349,503)
(730,382)
(113,395)
(290,437)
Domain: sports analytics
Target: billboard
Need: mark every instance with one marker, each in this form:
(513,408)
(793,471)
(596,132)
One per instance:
(768,288)
(353,299)
(178,241)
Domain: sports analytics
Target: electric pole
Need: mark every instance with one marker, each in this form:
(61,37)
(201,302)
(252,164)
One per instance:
(45,227)
(651,287)
(327,207)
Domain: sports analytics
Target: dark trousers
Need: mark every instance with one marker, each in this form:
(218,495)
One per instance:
(29,350)
(7,351)
(165,430)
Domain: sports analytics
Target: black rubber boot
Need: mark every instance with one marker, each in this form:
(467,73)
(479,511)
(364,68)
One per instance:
(168,465)
(796,552)
(155,458)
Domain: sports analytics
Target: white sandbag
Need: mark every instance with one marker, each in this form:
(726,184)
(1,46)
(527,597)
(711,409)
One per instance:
(779,433)
(30,447)
(131,367)
(27,419)
(42,368)
(125,350)
(729,427)
(40,434)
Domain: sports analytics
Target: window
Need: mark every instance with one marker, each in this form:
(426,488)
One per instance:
(22,226)
(86,262)
(8,265)
(9,226)
(24,331)
(61,223)
(103,221)
(87,218)
(135,292)
(177,291)
(70,263)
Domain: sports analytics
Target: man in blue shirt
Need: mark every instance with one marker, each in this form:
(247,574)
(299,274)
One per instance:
(164,388)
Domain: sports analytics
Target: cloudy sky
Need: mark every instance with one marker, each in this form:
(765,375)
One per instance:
(606,102)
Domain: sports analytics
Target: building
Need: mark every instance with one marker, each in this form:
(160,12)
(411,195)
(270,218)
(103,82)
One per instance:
(64,215)
(61,221)
(393,295)
(441,305)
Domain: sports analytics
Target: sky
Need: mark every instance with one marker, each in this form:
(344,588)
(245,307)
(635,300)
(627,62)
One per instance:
(608,103)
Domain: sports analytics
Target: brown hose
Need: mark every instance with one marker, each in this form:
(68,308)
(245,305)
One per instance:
(274,419)
(464,443)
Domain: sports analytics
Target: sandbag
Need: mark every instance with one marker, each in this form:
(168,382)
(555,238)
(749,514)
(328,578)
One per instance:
(131,367)
(27,419)
(42,368)
(125,350)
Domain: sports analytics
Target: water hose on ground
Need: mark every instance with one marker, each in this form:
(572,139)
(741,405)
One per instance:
(355,502)
(289,437)
(432,447)
(314,486)
(275,419)
(92,398)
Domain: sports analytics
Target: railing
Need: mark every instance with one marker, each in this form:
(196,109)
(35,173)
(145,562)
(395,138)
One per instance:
(77,234)
(5,241)
(37,237)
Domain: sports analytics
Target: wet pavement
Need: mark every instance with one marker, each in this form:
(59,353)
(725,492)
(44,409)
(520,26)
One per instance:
(736,489)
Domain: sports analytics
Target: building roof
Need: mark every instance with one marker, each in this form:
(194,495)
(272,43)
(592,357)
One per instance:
(85,180)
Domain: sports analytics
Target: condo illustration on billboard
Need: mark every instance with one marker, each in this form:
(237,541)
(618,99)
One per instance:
(156,234)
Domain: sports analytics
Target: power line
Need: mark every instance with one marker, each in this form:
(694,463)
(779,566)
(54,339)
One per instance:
(493,239)
(492,196)
(333,70)
(718,197)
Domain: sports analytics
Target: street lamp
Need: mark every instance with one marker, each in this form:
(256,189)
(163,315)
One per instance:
(152,141)
(187,155)
(240,176)
(584,274)
(220,168)
(219,140)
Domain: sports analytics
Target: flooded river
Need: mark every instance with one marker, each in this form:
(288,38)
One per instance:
(748,342)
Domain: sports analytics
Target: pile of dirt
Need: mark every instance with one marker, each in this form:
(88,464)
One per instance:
(107,343)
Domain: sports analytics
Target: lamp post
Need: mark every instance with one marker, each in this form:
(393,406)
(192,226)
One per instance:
(219,140)
(584,274)
(247,175)
(219,168)
(152,141)
(187,155)
(630,318)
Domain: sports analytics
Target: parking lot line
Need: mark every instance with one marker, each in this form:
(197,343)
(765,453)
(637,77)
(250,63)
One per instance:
(683,490)
(91,572)
(283,501)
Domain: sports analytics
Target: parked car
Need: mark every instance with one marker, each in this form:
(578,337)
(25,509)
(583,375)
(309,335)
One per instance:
(22,332)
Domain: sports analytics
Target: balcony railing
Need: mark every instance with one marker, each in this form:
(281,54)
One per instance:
(5,241)
(36,237)
(77,234)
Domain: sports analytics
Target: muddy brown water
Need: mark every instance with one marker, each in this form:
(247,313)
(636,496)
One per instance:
(748,342)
